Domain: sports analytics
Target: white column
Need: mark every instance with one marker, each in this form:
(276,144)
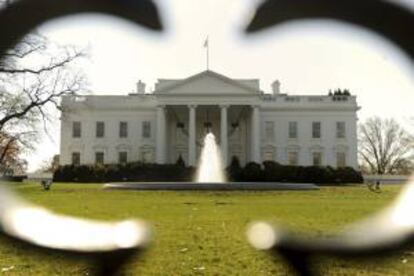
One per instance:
(223,134)
(255,135)
(192,136)
(161,141)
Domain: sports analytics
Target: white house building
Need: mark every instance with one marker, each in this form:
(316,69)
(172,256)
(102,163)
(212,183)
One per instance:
(172,121)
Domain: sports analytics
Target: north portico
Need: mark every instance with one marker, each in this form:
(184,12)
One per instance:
(181,130)
(170,123)
(208,102)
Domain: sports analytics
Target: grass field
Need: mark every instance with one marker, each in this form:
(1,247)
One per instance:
(203,233)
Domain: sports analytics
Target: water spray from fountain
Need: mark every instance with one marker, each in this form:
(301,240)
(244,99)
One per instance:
(211,169)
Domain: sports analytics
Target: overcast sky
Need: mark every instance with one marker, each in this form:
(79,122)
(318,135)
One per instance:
(308,57)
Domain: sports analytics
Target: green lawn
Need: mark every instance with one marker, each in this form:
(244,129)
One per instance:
(203,233)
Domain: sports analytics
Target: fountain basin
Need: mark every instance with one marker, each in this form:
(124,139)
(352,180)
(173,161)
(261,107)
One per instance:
(194,186)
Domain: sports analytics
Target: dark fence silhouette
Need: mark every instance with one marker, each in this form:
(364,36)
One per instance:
(391,230)
(386,233)
(107,245)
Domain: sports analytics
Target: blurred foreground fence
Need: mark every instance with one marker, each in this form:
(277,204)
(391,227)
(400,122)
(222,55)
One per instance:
(107,245)
(392,229)
(110,244)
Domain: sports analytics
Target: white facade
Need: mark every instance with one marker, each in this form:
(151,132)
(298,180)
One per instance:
(171,122)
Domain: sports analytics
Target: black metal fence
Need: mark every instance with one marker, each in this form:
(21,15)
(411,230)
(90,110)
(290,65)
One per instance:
(385,233)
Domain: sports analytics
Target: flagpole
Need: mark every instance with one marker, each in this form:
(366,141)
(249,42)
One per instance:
(208,56)
(207,46)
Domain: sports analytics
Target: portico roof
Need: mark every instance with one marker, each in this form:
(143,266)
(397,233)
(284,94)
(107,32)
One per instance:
(208,83)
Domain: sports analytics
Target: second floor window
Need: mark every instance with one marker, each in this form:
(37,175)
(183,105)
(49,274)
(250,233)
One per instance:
(316,130)
(100,129)
(75,158)
(76,130)
(293,130)
(340,129)
(123,129)
(146,129)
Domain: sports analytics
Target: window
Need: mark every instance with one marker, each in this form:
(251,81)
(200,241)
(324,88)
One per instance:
(341,159)
(100,129)
(340,129)
(123,129)
(146,129)
(293,158)
(269,131)
(316,130)
(317,158)
(147,156)
(122,157)
(269,156)
(269,153)
(75,158)
(76,129)
(293,130)
(99,158)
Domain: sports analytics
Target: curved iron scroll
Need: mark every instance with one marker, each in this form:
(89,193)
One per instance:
(387,18)
(393,229)
(371,237)
(22,16)
(384,234)
(109,245)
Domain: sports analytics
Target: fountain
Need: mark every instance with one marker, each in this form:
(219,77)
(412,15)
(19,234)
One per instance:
(210,176)
(210,169)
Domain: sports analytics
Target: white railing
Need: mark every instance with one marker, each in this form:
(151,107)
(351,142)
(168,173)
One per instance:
(309,99)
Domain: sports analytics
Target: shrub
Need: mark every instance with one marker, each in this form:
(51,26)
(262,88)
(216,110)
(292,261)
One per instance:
(135,171)
(271,172)
(84,174)
(318,175)
(180,162)
(275,172)
(234,170)
(252,172)
(349,175)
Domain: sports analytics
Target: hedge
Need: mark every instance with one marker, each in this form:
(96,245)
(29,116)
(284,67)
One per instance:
(268,172)
(119,173)
(13,178)
(275,172)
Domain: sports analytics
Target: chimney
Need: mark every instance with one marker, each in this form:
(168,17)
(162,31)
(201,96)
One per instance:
(140,87)
(276,87)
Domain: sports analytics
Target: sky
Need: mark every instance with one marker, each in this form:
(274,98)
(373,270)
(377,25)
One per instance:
(307,57)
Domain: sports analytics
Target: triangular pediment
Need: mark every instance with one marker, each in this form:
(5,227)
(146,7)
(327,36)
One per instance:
(212,83)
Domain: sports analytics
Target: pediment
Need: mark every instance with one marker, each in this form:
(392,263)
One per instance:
(209,83)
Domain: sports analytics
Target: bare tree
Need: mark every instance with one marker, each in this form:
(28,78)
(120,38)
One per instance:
(33,77)
(50,165)
(385,147)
